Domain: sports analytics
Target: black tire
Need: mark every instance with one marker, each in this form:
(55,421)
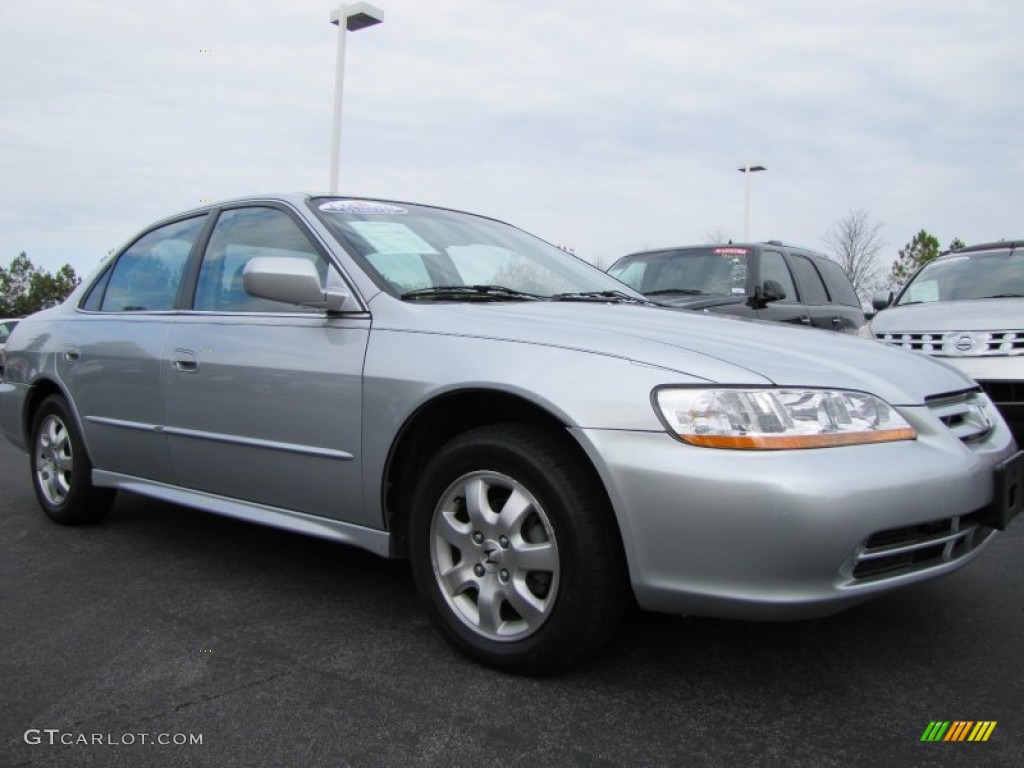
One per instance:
(528,575)
(61,470)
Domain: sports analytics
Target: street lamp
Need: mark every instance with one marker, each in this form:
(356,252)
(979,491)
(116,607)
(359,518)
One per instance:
(746,170)
(357,16)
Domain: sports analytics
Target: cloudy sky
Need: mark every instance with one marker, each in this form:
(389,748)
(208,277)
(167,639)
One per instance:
(605,126)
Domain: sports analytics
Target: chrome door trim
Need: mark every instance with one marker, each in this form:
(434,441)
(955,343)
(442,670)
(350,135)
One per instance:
(252,442)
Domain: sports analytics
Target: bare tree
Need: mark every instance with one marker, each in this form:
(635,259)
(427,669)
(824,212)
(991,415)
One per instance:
(855,242)
(716,236)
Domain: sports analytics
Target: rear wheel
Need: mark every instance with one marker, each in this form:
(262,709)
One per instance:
(61,470)
(515,551)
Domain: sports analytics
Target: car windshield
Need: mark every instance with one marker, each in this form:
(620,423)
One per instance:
(421,253)
(712,271)
(958,277)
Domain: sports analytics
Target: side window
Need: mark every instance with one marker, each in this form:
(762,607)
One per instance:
(773,267)
(838,284)
(812,288)
(147,275)
(240,235)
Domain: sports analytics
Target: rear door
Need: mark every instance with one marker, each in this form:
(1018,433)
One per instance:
(813,294)
(110,353)
(847,314)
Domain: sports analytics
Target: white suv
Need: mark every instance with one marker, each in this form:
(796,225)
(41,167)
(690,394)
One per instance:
(967,306)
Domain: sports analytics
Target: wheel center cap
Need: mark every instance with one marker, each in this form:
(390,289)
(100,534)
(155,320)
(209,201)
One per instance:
(491,555)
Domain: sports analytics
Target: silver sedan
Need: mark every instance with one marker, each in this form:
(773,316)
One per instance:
(542,443)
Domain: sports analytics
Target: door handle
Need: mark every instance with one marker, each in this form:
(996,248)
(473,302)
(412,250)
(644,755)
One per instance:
(185,361)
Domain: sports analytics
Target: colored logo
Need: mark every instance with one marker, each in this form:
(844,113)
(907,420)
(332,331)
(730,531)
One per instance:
(958,730)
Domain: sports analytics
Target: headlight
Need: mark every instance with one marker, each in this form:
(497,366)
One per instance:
(772,419)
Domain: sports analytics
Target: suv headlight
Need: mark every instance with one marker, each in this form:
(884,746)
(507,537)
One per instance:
(774,419)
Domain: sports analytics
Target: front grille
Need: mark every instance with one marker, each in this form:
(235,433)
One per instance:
(958,343)
(963,413)
(899,551)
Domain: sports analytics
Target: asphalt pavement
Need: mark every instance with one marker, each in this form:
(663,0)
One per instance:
(168,637)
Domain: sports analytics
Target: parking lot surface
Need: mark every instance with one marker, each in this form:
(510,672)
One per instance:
(166,637)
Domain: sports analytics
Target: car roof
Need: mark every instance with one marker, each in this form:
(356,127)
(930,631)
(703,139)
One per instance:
(300,199)
(1000,245)
(747,246)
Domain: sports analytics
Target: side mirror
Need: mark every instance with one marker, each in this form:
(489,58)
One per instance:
(766,292)
(772,290)
(290,280)
(881,300)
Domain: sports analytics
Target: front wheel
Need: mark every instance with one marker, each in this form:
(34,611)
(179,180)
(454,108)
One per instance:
(61,470)
(515,551)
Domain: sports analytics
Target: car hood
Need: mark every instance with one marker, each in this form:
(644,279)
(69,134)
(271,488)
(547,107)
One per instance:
(974,315)
(711,347)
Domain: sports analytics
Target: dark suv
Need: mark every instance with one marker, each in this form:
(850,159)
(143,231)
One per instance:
(767,281)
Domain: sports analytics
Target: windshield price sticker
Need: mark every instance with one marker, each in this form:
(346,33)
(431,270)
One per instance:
(391,238)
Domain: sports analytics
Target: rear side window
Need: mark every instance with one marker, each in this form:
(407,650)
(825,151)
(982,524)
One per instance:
(147,275)
(812,287)
(838,284)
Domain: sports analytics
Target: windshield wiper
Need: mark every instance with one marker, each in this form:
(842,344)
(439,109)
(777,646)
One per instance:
(601,296)
(470,293)
(681,291)
(1003,296)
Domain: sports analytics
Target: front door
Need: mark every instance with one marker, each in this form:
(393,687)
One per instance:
(789,308)
(263,400)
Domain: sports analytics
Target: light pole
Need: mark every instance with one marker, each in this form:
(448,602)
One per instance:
(356,16)
(746,170)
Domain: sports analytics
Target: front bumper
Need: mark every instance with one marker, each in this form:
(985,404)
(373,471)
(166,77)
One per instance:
(794,534)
